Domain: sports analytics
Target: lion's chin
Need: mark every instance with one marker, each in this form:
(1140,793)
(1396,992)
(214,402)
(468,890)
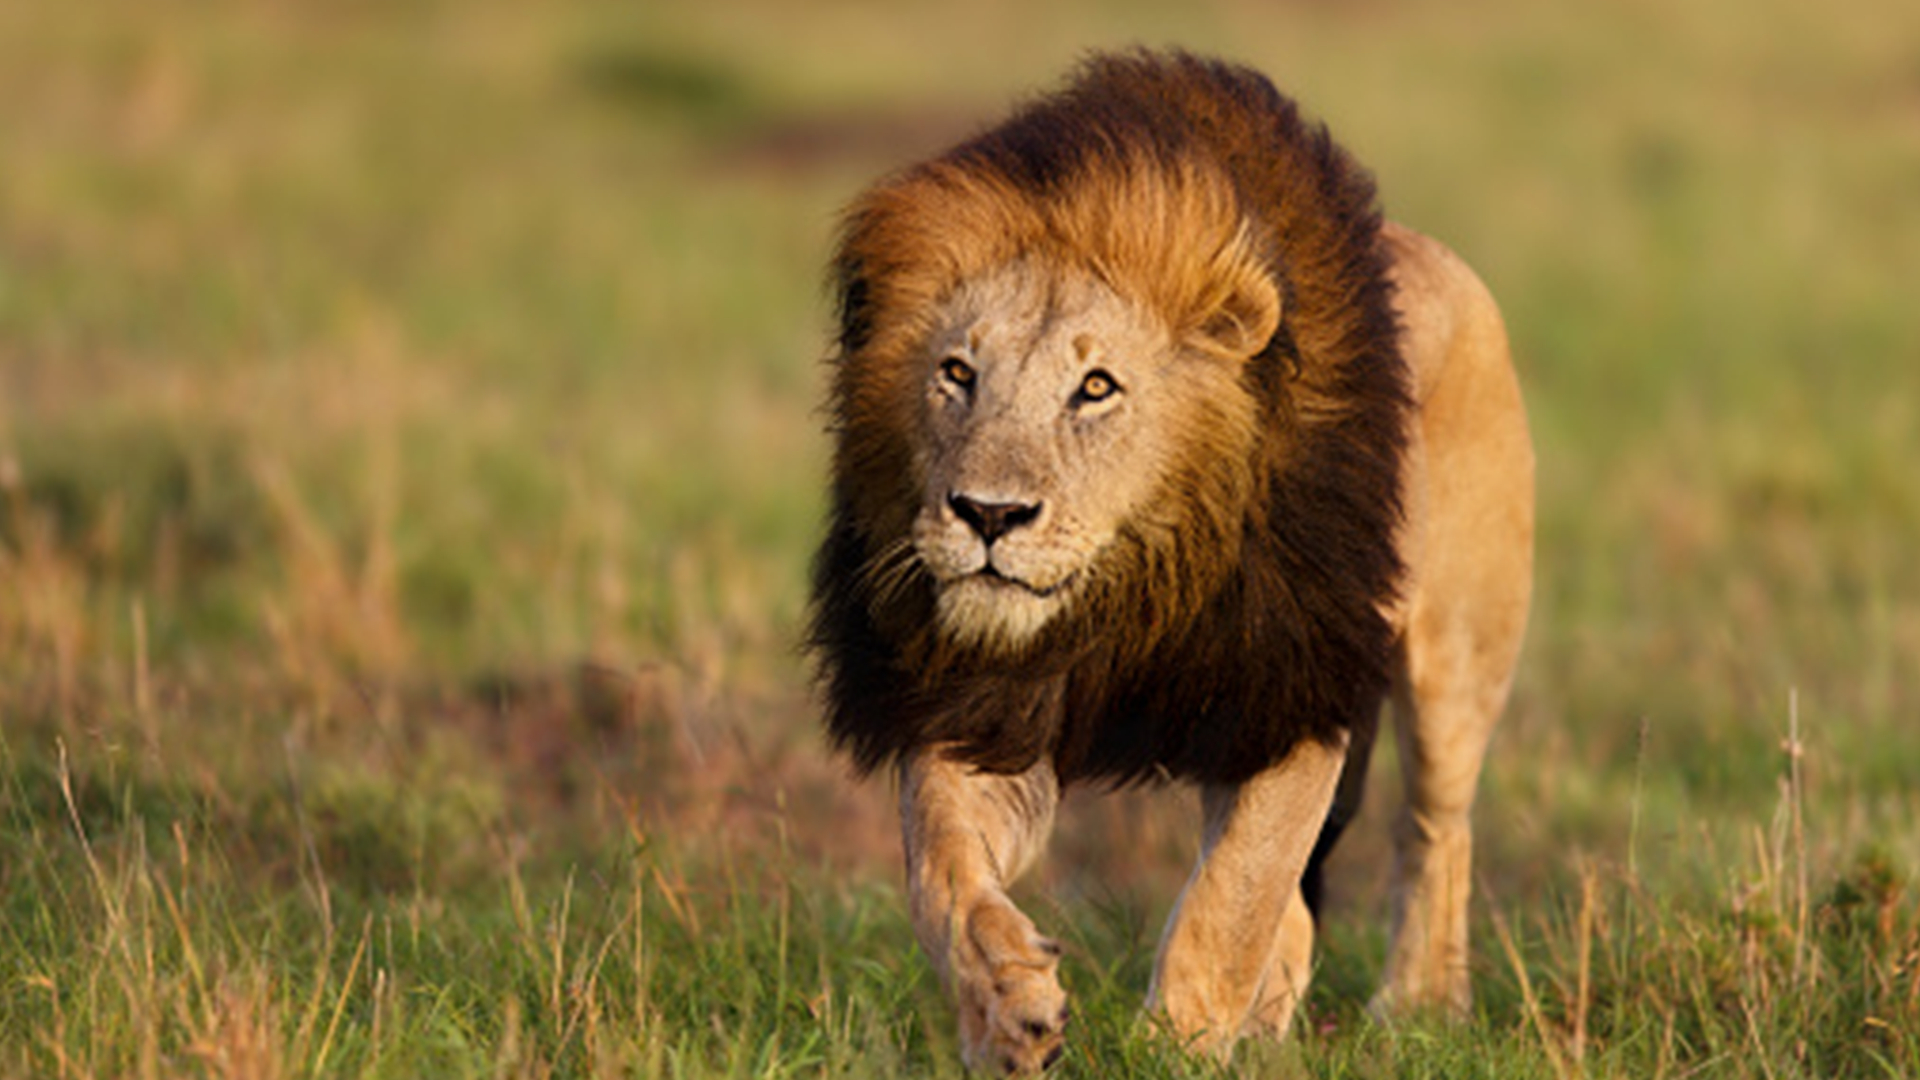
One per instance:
(996,614)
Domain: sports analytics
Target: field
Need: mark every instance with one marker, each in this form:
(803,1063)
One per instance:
(410,457)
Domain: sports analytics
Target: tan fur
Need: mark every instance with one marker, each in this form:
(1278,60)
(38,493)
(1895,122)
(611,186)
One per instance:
(1468,545)
(1235,955)
(968,836)
(1225,965)
(1030,332)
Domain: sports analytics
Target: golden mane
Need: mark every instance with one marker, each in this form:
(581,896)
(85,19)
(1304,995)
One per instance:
(921,236)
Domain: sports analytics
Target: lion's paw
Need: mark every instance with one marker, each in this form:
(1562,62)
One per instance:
(1015,1025)
(1450,1000)
(1013,1011)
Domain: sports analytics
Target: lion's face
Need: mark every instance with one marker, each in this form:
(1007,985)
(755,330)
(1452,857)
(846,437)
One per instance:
(1054,414)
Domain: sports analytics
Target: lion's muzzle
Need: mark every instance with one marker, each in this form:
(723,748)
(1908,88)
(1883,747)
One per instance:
(992,520)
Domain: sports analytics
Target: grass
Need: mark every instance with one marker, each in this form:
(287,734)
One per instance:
(408,466)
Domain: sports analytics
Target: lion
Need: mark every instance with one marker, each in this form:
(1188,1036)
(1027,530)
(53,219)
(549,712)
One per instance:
(1158,455)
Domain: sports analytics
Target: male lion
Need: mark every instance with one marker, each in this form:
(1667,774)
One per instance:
(1159,455)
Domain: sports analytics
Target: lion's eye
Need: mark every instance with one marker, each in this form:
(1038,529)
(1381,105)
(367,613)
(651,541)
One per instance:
(1097,386)
(958,372)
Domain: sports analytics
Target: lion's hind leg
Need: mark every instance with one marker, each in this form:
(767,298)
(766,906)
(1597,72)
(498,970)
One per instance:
(1465,619)
(1442,728)
(1462,642)
(1469,548)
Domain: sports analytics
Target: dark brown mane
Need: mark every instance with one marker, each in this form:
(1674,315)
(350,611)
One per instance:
(1155,172)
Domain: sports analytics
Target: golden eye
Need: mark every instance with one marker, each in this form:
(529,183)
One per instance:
(1097,386)
(957,372)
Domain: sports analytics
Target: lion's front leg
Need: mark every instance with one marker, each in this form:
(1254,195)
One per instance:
(1231,959)
(968,835)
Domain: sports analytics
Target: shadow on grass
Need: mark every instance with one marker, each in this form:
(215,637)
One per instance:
(741,126)
(666,85)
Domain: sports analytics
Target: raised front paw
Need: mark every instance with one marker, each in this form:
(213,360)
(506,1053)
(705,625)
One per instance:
(1013,1012)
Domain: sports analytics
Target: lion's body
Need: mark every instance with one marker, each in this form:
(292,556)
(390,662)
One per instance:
(1159,455)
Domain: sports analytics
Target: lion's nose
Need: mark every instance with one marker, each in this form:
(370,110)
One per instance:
(992,520)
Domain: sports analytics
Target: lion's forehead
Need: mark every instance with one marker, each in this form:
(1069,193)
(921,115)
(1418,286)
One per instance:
(1028,320)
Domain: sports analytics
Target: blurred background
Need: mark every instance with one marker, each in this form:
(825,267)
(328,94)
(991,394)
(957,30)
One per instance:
(410,451)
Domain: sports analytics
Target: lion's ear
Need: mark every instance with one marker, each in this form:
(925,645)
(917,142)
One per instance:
(1244,320)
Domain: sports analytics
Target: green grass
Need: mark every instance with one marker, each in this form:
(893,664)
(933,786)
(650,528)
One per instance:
(409,459)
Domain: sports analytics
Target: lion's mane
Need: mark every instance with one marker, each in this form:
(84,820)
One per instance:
(1252,620)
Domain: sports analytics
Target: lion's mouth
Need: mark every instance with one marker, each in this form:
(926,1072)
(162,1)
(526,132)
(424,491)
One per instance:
(999,611)
(991,576)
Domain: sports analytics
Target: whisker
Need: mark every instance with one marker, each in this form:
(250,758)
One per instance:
(891,569)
